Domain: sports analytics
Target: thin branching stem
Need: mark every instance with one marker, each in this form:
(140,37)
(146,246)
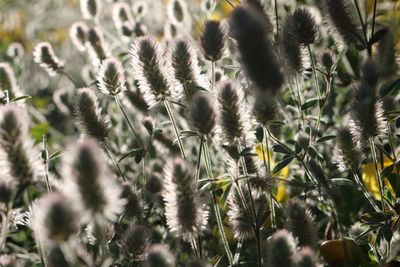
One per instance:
(114,160)
(378,176)
(215,205)
(172,118)
(318,89)
(138,139)
(365,192)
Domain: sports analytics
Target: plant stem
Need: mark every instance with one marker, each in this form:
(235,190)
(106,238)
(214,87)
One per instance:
(362,25)
(5,220)
(364,190)
(199,159)
(171,116)
(117,100)
(373,19)
(318,89)
(276,19)
(216,208)
(110,153)
(70,79)
(46,165)
(212,76)
(378,176)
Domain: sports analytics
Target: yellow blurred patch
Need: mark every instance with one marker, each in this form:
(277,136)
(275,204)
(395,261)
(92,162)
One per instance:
(281,194)
(370,180)
(226,8)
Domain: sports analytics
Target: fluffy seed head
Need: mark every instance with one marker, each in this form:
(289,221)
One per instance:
(88,113)
(15,50)
(366,108)
(140,9)
(213,40)
(96,46)
(182,56)
(134,206)
(208,6)
(43,55)
(17,151)
(89,182)
(56,257)
(159,256)
(265,107)
(53,218)
(78,35)
(90,8)
(280,249)
(111,77)
(185,209)
(387,56)
(341,17)
(202,113)
(7,80)
(135,241)
(256,54)
(301,223)
(233,117)
(347,153)
(301,27)
(150,71)
(177,12)
(242,226)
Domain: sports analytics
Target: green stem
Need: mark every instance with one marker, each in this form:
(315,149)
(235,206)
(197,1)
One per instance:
(70,79)
(5,220)
(365,192)
(171,116)
(378,176)
(117,100)
(362,25)
(199,159)
(276,19)
(110,153)
(46,165)
(216,208)
(373,19)
(212,76)
(318,89)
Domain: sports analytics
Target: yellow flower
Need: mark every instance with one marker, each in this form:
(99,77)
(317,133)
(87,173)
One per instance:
(370,180)
(281,194)
(227,8)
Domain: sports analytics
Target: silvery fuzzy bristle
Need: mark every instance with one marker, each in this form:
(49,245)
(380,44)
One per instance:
(78,35)
(233,114)
(8,81)
(243,226)
(140,9)
(208,6)
(366,107)
(111,77)
(54,219)
(44,55)
(148,64)
(301,223)
(135,242)
(88,113)
(388,59)
(89,183)
(178,13)
(213,40)
(347,153)
(15,50)
(159,256)
(280,249)
(17,151)
(342,19)
(185,209)
(96,46)
(265,107)
(182,56)
(134,207)
(202,114)
(301,27)
(90,8)
(121,13)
